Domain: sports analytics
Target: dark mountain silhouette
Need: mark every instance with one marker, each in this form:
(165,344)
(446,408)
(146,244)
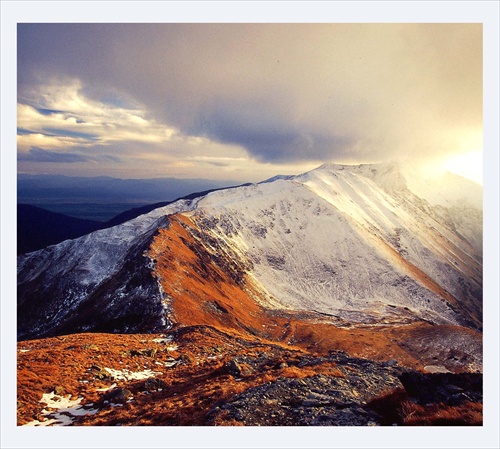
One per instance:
(38,228)
(141,210)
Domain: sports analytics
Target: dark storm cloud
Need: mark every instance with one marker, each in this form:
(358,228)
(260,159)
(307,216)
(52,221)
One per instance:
(284,92)
(266,137)
(41,155)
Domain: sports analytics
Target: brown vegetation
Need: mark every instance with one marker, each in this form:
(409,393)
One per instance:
(397,407)
(75,365)
(218,316)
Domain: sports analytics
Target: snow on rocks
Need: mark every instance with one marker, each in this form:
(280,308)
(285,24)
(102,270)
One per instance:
(131,375)
(61,410)
(344,238)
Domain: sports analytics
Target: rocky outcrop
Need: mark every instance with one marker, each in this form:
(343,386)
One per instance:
(319,400)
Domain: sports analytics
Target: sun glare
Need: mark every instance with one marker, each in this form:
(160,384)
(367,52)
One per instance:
(468,165)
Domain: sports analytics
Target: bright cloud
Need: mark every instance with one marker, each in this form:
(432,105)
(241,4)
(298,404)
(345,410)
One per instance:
(468,165)
(65,108)
(247,100)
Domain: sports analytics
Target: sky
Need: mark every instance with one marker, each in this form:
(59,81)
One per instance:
(245,102)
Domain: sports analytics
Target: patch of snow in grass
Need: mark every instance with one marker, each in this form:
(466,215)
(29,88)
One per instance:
(61,410)
(129,375)
(167,339)
(169,364)
(436,369)
(107,388)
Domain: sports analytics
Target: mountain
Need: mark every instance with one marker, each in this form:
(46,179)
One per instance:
(38,228)
(136,211)
(101,198)
(349,245)
(348,295)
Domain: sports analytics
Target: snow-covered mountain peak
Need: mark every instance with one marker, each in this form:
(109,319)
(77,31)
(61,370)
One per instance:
(359,242)
(386,175)
(437,188)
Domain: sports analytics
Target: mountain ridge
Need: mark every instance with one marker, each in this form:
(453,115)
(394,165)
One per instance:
(341,221)
(335,297)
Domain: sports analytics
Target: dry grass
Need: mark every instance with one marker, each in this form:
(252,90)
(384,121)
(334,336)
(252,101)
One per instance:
(206,292)
(217,320)
(396,407)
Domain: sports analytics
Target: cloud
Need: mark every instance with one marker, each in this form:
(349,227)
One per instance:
(61,108)
(67,133)
(41,155)
(281,94)
(31,139)
(266,137)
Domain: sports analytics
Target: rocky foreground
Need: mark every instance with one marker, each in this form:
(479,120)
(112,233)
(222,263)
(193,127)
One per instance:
(203,376)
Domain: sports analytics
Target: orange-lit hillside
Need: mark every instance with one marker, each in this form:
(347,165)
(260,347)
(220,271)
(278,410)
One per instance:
(226,346)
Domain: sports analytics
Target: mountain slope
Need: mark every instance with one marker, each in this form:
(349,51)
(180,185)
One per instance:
(202,376)
(38,228)
(351,244)
(334,241)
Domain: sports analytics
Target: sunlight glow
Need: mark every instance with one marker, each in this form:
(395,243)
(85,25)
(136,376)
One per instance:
(468,165)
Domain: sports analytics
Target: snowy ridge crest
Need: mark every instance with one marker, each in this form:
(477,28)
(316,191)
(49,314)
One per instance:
(361,243)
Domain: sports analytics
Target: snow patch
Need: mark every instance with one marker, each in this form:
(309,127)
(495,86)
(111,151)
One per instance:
(436,369)
(167,339)
(129,375)
(61,410)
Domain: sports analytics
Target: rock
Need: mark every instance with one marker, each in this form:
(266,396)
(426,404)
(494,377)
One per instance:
(150,352)
(238,415)
(186,359)
(118,395)
(154,384)
(454,389)
(234,368)
(90,347)
(320,400)
(429,388)
(315,403)
(99,373)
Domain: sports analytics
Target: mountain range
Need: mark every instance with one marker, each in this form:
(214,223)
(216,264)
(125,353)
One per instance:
(100,198)
(370,259)
(38,228)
